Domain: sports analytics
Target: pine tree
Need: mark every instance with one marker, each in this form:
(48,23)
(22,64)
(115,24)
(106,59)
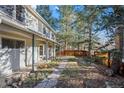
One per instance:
(46,13)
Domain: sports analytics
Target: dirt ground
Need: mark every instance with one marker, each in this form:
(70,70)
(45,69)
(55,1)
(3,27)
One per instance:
(87,76)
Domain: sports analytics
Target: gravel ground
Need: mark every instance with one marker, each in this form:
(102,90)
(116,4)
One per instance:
(87,76)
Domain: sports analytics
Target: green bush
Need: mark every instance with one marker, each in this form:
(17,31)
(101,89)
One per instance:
(116,54)
(97,60)
(71,59)
(52,64)
(56,59)
(94,59)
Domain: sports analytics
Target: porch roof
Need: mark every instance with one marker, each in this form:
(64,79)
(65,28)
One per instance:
(23,28)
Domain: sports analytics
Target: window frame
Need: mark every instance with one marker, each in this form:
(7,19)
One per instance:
(41,52)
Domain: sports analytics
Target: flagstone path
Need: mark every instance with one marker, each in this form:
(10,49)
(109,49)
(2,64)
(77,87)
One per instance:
(51,80)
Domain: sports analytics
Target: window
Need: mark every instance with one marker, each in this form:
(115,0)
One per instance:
(48,35)
(44,30)
(11,43)
(19,44)
(7,9)
(20,13)
(41,50)
(7,43)
(52,36)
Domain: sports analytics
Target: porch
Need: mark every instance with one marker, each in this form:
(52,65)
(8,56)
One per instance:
(20,49)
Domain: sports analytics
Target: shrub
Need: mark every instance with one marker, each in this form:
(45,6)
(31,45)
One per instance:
(56,59)
(94,59)
(97,60)
(52,64)
(72,59)
(48,65)
(87,59)
(42,65)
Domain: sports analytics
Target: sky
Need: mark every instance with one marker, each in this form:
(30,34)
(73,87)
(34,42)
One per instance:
(53,8)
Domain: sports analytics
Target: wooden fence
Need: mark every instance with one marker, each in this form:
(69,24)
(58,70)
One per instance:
(105,57)
(77,53)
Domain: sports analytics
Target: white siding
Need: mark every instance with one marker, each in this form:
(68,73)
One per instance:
(29,55)
(22,57)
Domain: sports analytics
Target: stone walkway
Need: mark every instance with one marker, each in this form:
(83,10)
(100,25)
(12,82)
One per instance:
(51,80)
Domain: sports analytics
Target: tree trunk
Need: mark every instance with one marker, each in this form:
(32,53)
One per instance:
(90,39)
(78,46)
(66,45)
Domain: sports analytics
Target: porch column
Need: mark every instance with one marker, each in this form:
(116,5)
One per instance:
(60,49)
(46,48)
(53,50)
(33,45)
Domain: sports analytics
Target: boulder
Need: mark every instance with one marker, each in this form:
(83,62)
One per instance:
(109,72)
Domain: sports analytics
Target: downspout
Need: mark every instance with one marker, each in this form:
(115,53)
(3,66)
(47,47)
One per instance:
(33,42)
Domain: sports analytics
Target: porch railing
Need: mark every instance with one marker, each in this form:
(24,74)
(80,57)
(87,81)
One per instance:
(11,13)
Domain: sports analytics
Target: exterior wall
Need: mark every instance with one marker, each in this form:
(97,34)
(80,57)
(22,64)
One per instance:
(29,52)
(38,57)
(12,59)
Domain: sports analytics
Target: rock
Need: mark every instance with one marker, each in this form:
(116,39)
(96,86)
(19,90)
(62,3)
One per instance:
(9,81)
(109,72)
(15,85)
(39,75)
(2,81)
(23,76)
(107,84)
(33,75)
(20,83)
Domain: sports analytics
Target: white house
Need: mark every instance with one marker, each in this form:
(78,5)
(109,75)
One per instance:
(25,38)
